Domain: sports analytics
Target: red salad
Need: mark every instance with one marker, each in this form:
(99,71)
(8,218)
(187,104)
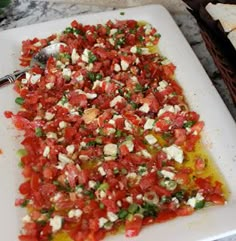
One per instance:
(107,135)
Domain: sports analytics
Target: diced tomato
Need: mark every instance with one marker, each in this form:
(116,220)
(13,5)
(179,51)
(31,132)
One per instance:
(180,135)
(182,178)
(165,215)
(216,198)
(133,226)
(200,164)
(184,210)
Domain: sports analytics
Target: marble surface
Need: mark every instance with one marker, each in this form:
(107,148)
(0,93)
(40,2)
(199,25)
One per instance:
(24,12)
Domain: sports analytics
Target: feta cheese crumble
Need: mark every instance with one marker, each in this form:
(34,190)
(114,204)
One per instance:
(110,149)
(56,223)
(151,139)
(174,152)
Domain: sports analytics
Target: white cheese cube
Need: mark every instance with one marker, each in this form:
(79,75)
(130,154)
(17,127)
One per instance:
(112,216)
(124,65)
(63,161)
(129,199)
(167,174)
(116,100)
(49,116)
(66,72)
(52,135)
(92,184)
(151,139)
(74,56)
(149,124)
(49,85)
(174,152)
(144,108)
(62,124)
(110,149)
(133,49)
(162,85)
(56,223)
(102,221)
(129,144)
(35,78)
(113,31)
(70,149)
(85,56)
(46,151)
(169,108)
(102,171)
(75,213)
(117,67)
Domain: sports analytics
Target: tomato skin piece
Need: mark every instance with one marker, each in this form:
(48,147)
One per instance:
(34,182)
(8,114)
(180,135)
(199,164)
(27,238)
(133,226)
(182,178)
(148,181)
(25,188)
(216,198)
(184,211)
(165,215)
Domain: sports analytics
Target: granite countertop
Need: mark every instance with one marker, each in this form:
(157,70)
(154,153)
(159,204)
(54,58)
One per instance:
(24,12)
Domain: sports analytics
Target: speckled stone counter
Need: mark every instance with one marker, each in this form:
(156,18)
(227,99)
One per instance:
(25,12)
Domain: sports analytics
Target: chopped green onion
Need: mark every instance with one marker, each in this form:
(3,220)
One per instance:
(133,208)
(123,171)
(21,152)
(123,214)
(19,100)
(116,170)
(122,13)
(200,204)
(104,186)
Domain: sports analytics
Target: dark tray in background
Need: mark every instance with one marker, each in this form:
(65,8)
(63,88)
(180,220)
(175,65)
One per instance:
(217,43)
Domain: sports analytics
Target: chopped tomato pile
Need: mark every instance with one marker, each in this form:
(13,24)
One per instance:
(106,136)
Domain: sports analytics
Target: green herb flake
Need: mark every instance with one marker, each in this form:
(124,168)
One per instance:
(101,206)
(138,88)
(122,13)
(134,105)
(188,124)
(91,76)
(139,50)
(24,203)
(91,143)
(149,210)
(19,100)
(38,131)
(116,171)
(89,193)
(91,57)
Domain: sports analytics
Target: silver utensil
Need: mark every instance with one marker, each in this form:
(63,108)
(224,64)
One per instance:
(40,59)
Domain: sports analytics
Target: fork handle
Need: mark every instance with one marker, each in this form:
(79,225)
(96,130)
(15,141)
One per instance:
(10,78)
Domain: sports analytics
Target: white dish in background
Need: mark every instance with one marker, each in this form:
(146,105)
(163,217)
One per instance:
(219,133)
